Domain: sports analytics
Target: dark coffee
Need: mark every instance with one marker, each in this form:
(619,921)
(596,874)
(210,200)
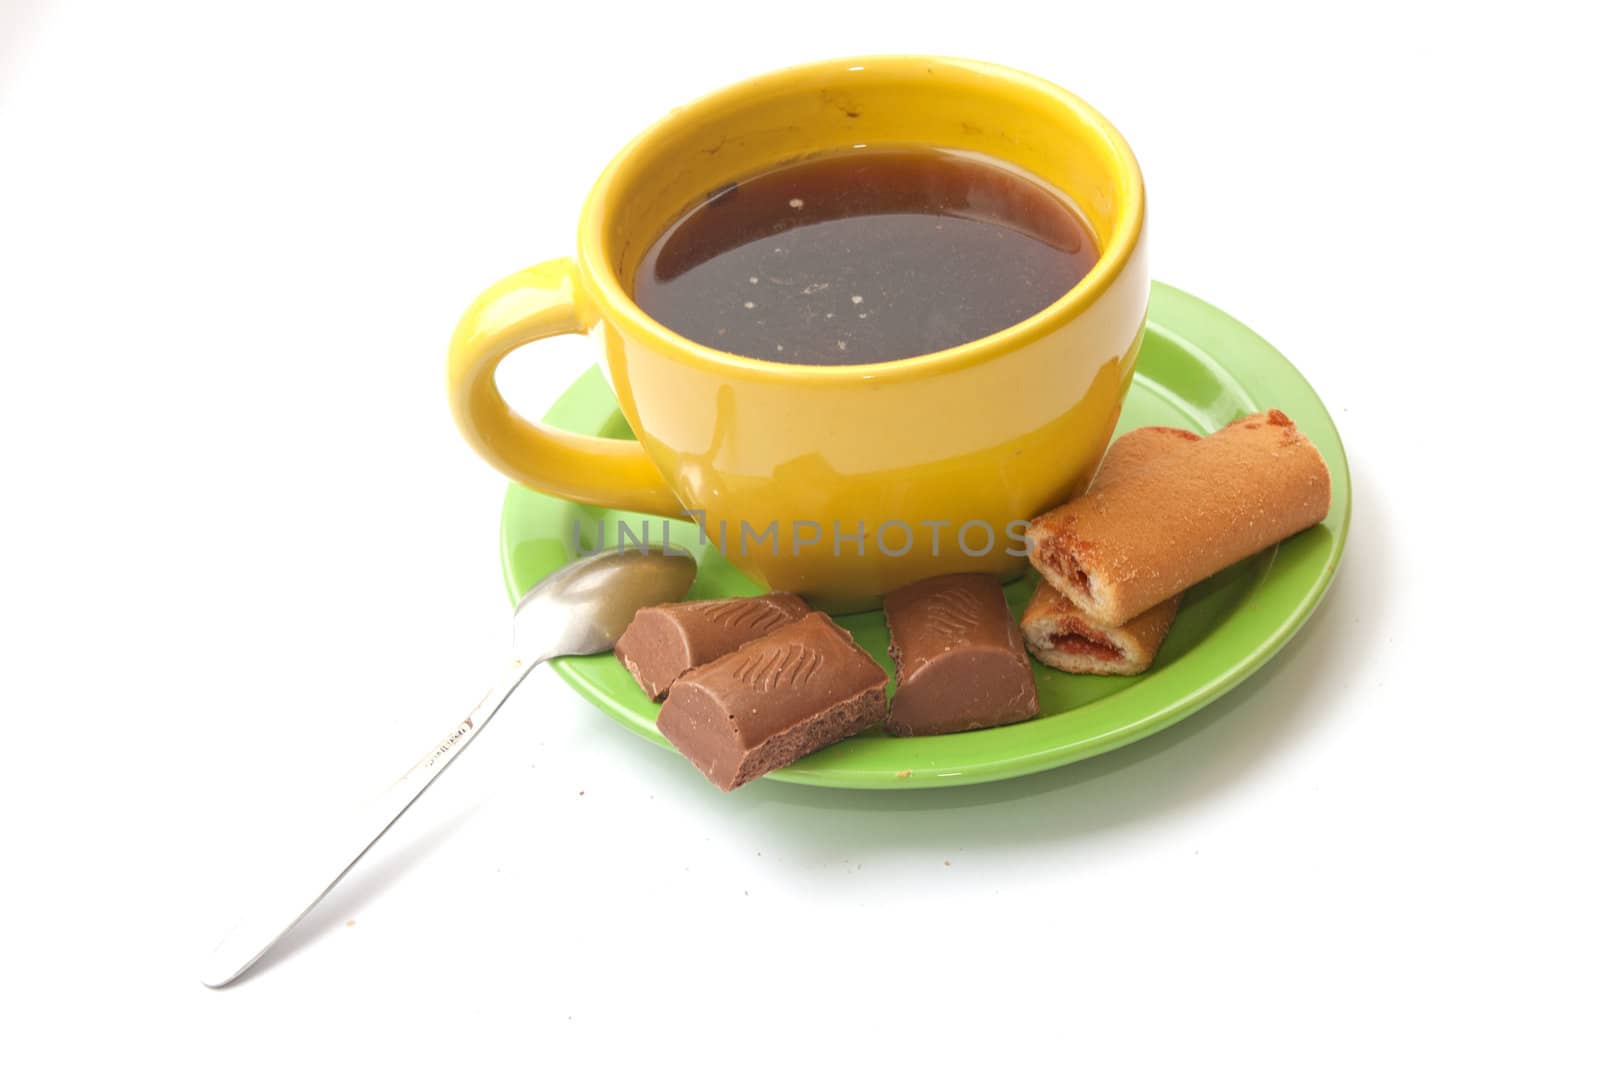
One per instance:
(864,256)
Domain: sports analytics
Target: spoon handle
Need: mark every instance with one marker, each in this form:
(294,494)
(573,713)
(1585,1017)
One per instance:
(295,889)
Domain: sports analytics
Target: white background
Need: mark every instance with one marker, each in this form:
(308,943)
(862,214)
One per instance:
(249,570)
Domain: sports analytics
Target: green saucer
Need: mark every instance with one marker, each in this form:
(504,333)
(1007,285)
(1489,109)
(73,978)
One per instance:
(1198,369)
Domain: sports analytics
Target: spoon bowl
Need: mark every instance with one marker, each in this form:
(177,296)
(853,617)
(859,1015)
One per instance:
(582,608)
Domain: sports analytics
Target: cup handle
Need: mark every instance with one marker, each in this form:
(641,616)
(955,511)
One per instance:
(542,301)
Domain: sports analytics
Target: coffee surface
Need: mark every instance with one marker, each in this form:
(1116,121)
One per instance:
(864,256)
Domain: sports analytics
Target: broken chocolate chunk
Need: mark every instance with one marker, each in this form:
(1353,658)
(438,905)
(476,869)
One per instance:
(960,663)
(664,641)
(775,699)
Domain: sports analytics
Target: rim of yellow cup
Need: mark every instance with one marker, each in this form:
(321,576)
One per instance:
(618,306)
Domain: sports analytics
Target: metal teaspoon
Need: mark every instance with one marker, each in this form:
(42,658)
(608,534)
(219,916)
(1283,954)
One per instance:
(578,610)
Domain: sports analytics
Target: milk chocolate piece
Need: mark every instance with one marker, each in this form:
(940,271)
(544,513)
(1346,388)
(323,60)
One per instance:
(664,641)
(775,699)
(959,659)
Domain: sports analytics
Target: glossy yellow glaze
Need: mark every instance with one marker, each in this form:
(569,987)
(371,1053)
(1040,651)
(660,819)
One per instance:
(992,432)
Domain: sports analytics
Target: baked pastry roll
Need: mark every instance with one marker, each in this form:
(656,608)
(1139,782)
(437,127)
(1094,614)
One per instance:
(1152,532)
(1060,636)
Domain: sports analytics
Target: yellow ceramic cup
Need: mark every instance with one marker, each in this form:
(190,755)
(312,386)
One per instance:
(876,475)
